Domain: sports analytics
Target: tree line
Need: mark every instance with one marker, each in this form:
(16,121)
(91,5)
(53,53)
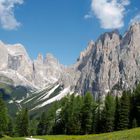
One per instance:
(75,115)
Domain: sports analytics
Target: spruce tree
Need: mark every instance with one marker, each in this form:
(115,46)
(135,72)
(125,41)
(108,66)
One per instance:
(94,108)
(18,125)
(3,117)
(22,123)
(123,122)
(117,113)
(136,104)
(10,128)
(86,124)
(33,127)
(75,105)
(25,122)
(98,119)
(51,118)
(42,126)
(71,114)
(108,114)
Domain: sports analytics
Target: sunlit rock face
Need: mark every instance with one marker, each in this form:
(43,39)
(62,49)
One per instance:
(113,63)
(3,56)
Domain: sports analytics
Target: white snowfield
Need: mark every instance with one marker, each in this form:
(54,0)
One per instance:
(49,93)
(58,97)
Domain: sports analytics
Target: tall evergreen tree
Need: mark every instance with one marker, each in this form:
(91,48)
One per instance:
(42,126)
(33,127)
(98,119)
(22,123)
(108,114)
(70,115)
(86,124)
(3,117)
(136,104)
(61,117)
(94,108)
(74,124)
(117,113)
(25,122)
(51,117)
(123,122)
(10,128)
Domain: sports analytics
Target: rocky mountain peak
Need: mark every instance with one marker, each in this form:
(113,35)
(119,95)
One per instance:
(16,49)
(50,59)
(87,51)
(40,58)
(84,54)
(108,37)
(135,26)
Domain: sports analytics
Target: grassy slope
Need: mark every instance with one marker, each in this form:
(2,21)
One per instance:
(133,134)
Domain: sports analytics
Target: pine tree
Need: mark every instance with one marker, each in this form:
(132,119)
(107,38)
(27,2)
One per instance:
(42,126)
(94,108)
(18,125)
(123,122)
(33,127)
(10,128)
(117,113)
(108,114)
(61,117)
(22,123)
(51,118)
(136,104)
(74,124)
(98,119)
(70,115)
(86,124)
(25,121)
(3,117)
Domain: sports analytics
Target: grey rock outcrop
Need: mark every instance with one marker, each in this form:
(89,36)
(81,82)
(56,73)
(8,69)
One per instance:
(3,56)
(113,64)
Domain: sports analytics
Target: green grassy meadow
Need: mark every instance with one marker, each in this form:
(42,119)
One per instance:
(133,134)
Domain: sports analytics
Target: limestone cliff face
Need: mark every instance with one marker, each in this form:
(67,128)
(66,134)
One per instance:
(3,56)
(112,63)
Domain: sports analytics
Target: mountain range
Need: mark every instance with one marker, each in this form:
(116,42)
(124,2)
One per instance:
(110,64)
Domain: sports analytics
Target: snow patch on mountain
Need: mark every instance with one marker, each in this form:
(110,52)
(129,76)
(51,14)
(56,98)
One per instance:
(58,97)
(48,93)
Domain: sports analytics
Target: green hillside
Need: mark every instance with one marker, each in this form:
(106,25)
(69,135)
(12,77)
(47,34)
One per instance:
(133,134)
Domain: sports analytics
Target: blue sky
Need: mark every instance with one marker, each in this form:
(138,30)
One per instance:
(62,27)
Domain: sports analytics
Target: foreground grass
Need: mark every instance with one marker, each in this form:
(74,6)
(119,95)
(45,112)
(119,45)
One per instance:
(133,134)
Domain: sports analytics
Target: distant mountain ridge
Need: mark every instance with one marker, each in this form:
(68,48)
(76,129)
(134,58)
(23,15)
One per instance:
(111,64)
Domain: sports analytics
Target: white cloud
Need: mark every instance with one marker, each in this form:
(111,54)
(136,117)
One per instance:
(135,19)
(110,12)
(7,17)
(87,16)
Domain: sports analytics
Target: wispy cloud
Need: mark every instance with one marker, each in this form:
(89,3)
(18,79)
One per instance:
(135,19)
(87,16)
(7,17)
(110,12)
